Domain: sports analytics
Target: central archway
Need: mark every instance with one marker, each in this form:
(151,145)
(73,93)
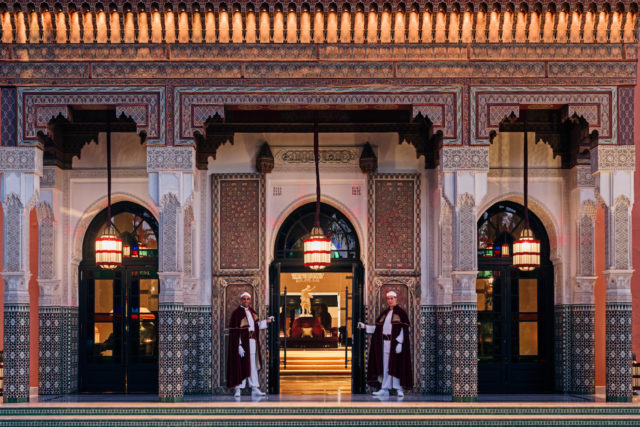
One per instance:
(118,334)
(315,310)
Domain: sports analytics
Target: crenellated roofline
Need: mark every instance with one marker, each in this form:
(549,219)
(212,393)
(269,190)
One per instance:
(351,22)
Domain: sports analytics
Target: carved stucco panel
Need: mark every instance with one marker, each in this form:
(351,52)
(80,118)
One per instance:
(622,234)
(465,229)
(46,243)
(15,234)
(169,217)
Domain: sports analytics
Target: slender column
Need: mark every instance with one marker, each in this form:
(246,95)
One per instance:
(21,169)
(582,327)
(170,186)
(614,169)
(464,179)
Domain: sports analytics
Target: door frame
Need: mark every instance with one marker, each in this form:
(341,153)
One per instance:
(356,268)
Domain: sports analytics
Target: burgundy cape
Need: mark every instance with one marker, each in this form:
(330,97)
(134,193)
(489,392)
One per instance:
(399,363)
(239,368)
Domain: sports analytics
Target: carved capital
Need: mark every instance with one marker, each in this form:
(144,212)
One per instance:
(464,287)
(584,176)
(613,158)
(171,289)
(618,286)
(469,158)
(21,159)
(16,287)
(583,291)
(170,159)
(50,295)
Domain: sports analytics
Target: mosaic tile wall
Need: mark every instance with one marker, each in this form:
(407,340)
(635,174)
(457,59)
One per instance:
(428,357)
(171,349)
(583,358)
(197,349)
(444,343)
(70,349)
(464,358)
(618,353)
(562,347)
(16,353)
(50,350)
(394,228)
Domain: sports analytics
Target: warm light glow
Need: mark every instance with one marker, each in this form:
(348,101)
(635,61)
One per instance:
(574,29)
(7,33)
(507,28)
(454,27)
(87,28)
(236,27)
(441,27)
(318,27)
(372,27)
(34,28)
(183,27)
(317,250)
(305,27)
(629,28)
(345,27)
(505,250)
(526,251)
(587,32)
(414,27)
(616,26)
(467,27)
(143,28)
(358,27)
(494,27)
(169,27)
(385,27)
(278,27)
(101,27)
(521,27)
(399,28)
(21,28)
(196,28)
(126,251)
(223,27)
(115,28)
(251,29)
(74,27)
(547,31)
(332,27)
(108,249)
(292,27)
(481,25)
(534,28)
(561,30)
(427,27)
(601,29)
(210,28)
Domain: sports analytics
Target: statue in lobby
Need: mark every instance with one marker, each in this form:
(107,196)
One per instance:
(305,300)
(390,356)
(244,338)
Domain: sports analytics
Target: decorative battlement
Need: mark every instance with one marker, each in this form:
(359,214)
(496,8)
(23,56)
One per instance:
(346,23)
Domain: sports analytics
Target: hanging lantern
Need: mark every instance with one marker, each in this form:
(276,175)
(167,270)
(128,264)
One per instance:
(505,250)
(108,249)
(317,250)
(526,251)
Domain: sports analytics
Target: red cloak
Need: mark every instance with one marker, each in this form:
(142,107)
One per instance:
(399,363)
(239,368)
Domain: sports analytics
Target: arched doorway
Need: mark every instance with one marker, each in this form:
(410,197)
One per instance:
(515,308)
(316,345)
(118,350)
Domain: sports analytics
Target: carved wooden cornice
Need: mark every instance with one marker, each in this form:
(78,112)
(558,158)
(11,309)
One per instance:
(65,138)
(317,22)
(568,136)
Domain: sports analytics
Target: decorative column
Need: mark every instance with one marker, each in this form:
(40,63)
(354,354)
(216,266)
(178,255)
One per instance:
(171,171)
(582,328)
(464,181)
(443,320)
(613,168)
(21,170)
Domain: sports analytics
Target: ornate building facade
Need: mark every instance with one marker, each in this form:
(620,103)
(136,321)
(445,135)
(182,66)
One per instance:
(421,114)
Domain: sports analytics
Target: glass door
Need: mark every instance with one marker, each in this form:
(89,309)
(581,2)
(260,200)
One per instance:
(118,331)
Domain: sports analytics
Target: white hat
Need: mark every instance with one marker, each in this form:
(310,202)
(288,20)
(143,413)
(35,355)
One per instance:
(245,294)
(392,294)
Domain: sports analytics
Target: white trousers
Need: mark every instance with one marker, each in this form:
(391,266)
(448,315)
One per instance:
(254,382)
(388,381)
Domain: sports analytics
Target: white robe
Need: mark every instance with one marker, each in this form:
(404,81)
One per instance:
(253,380)
(388,381)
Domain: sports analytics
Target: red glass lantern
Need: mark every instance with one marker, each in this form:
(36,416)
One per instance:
(108,249)
(526,251)
(317,250)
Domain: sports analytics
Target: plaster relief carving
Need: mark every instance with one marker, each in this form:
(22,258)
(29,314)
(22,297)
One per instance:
(586,246)
(169,209)
(21,159)
(46,244)
(456,158)
(622,234)
(465,229)
(48,179)
(446,238)
(584,176)
(14,242)
(187,252)
(613,157)
(163,159)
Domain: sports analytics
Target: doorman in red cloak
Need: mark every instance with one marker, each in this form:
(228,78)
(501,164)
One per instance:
(389,355)
(243,351)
